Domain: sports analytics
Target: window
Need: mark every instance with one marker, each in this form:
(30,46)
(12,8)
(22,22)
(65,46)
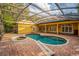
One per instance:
(42,28)
(67,28)
(47,28)
(53,28)
(70,29)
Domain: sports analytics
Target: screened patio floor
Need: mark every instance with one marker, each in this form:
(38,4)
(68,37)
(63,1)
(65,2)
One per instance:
(28,47)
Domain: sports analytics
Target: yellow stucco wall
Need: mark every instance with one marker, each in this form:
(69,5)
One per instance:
(25,27)
(64,22)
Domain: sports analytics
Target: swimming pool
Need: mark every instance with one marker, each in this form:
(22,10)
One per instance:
(47,39)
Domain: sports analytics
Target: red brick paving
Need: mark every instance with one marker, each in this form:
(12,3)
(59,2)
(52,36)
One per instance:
(19,48)
(30,48)
(65,50)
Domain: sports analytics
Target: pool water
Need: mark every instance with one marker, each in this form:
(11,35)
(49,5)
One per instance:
(47,39)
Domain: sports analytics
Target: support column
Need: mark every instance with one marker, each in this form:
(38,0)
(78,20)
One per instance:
(45,28)
(57,29)
(78,29)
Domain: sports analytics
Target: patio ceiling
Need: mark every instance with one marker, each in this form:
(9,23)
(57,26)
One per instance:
(71,13)
(50,11)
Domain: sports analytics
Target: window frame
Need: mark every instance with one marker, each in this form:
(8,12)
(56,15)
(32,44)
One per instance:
(67,31)
(54,27)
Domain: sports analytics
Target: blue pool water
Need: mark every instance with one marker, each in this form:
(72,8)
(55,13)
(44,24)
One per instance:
(47,39)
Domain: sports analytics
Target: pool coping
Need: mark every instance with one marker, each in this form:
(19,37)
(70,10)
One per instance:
(60,44)
(52,44)
(14,39)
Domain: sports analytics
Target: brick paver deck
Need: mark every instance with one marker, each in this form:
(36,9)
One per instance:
(65,50)
(28,47)
(21,48)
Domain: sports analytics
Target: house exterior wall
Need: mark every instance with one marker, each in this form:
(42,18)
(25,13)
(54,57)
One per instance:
(58,26)
(53,27)
(24,28)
